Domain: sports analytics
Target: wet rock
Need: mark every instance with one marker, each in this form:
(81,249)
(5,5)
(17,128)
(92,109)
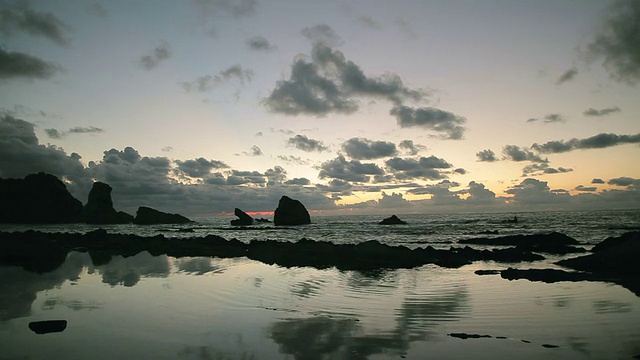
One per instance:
(392,220)
(48,326)
(37,199)
(614,241)
(148,216)
(487,272)
(468,336)
(243,218)
(545,275)
(552,243)
(99,208)
(290,212)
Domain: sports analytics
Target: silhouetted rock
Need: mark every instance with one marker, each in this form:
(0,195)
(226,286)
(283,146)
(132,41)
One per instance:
(392,220)
(614,241)
(262,220)
(99,208)
(148,216)
(243,218)
(468,336)
(290,212)
(48,326)
(552,243)
(37,199)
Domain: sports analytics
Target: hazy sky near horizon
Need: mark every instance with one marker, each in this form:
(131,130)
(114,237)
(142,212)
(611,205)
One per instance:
(408,106)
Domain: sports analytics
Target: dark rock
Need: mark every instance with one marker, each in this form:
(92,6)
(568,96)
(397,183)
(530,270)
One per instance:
(545,275)
(48,326)
(487,272)
(468,336)
(614,241)
(552,243)
(392,220)
(99,208)
(243,218)
(290,212)
(148,216)
(37,199)
(262,220)
(550,346)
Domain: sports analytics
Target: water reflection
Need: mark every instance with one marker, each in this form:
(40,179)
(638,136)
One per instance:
(197,266)
(322,337)
(76,305)
(20,287)
(128,271)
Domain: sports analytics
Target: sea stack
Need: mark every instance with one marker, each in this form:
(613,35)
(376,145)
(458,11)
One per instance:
(243,218)
(291,212)
(99,208)
(392,220)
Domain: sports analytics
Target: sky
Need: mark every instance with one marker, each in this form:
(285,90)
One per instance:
(354,107)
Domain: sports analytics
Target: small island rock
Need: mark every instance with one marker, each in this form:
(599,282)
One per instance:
(392,220)
(243,218)
(290,212)
(148,216)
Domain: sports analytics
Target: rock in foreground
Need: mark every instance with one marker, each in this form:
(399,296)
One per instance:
(291,212)
(48,326)
(392,220)
(148,216)
(37,199)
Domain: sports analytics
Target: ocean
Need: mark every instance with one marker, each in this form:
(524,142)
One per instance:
(161,307)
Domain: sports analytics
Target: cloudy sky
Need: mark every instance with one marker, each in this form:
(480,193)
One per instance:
(201,106)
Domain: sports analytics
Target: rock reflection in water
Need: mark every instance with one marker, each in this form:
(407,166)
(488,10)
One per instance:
(128,271)
(348,338)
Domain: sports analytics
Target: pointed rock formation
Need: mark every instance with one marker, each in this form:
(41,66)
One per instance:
(99,208)
(392,220)
(243,218)
(291,212)
(148,216)
(37,199)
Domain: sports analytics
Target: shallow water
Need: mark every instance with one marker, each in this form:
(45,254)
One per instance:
(202,308)
(146,307)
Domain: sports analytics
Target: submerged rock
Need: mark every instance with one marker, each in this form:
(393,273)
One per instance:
(48,326)
(99,208)
(148,216)
(243,218)
(392,220)
(290,212)
(552,243)
(37,199)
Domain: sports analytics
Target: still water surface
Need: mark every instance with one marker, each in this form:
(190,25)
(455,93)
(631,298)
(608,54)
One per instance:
(146,307)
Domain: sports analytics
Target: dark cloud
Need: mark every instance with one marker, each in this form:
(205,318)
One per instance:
(460,171)
(515,153)
(353,170)
(441,193)
(53,133)
(236,8)
(585,189)
(597,181)
(21,154)
(431,118)
(21,18)
(207,82)
(406,27)
(599,141)
(337,186)
(260,43)
(276,175)
(298,181)
(479,194)
(296,160)
(199,167)
(369,23)
(331,84)
(160,54)
(19,65)
(486,155)
(567,75)
(535,192)
(97,10)
(255,151)
(410,148)
(543,169)
(427,168)
(365,149)
(550,118)
(618,42)
(623,181)
(601,112)
(302,142)
(322,33)
(167,149)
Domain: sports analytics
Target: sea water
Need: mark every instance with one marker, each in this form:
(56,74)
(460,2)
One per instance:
(160,307)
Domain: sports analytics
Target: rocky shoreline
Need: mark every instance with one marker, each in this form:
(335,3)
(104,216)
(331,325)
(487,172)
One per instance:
(613,260)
